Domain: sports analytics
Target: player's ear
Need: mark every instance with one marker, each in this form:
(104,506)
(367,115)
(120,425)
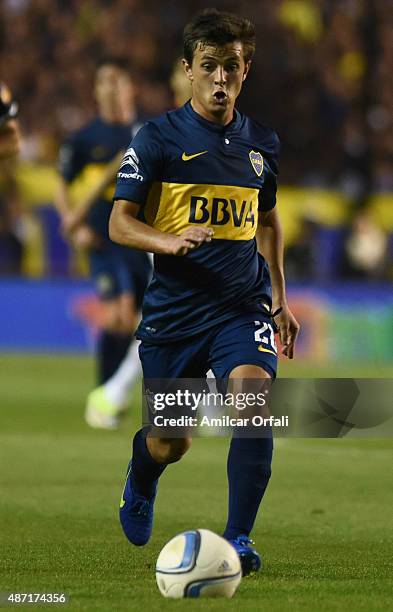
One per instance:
(246,69)
(187,69)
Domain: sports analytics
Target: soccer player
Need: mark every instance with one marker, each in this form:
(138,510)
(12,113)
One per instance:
(202,185)
(92,156)
(113,394)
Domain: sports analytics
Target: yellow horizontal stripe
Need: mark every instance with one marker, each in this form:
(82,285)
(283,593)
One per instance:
(231,211)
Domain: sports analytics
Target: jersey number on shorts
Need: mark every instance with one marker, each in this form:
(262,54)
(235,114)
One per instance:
(265,336)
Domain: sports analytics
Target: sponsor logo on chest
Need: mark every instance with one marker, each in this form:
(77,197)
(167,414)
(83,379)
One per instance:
(221,211)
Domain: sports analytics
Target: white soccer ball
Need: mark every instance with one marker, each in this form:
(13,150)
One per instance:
(198,563)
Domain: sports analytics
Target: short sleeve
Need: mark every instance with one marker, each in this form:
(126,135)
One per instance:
(71,159)
(141,166)
(268,192)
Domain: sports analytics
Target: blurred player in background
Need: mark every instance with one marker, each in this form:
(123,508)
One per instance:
(113,394)
(92,156)
(202,186)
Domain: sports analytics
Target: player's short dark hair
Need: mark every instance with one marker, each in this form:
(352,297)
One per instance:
(218,28)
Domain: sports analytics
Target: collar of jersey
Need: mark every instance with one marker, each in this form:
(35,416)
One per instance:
(213,127)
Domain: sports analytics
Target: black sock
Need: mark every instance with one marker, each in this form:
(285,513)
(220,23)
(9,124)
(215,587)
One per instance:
(106,356)
(249,469)
(145,470)
(123,342)
(111,350)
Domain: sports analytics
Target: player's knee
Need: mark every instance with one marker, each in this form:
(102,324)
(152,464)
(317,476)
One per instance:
(172,450)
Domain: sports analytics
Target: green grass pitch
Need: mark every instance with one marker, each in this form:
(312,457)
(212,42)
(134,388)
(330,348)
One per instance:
(323,531)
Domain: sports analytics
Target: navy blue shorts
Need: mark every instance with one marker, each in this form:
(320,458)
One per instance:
(117,270)
(247,339)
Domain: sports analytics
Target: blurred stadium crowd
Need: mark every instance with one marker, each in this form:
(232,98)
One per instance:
(321,77)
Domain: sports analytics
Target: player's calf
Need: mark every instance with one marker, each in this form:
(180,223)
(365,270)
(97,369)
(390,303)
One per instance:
(150,457)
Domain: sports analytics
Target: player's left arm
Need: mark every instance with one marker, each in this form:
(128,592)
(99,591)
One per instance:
(271,246)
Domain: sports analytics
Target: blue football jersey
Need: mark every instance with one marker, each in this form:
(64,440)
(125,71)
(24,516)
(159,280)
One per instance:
(186,171)
(85,155)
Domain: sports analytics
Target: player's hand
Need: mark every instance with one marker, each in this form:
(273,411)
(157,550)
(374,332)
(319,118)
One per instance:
(288,329)
(190,239)
(83,237)
(70,222)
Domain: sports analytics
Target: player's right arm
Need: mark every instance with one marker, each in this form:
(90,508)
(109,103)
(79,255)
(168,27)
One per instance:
(142,165)
(62,200)
(74,217)
(126,229)
(79,235)
(70,163)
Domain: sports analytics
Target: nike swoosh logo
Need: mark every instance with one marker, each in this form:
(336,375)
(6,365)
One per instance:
(186,157)
(263,350)
(122,500)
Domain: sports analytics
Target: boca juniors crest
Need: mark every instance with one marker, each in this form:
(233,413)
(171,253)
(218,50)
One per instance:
(256,160)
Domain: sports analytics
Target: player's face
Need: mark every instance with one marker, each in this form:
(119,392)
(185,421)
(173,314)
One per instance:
(114,93)
(217,75)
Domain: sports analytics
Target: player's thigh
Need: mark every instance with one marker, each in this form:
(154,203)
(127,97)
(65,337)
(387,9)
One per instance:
(248,371)
(106,287)
(245,347)
(243,377)
(133,271)
(103,274)
(127,312)
(167,370)
(174,360)
(244,360)
(172,370)
(249,381)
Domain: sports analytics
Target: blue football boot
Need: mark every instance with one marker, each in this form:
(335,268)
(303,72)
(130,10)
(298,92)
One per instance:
(136,513)
(249,558)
